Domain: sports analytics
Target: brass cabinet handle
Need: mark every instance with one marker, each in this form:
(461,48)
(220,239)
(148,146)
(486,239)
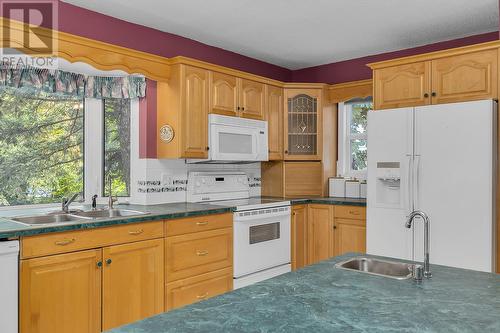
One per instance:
(353,212)
(433,94)
(202,223)
(202,296)
(108,261)
(99,264)
(426,95)
(136,232)
(65,241)
(202,253)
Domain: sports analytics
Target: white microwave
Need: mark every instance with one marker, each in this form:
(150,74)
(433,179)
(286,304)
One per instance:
(233,139)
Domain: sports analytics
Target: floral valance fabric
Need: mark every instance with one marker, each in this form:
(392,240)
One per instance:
(73,84)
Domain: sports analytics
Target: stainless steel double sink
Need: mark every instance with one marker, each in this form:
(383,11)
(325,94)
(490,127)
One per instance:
(392,269)
(75,216)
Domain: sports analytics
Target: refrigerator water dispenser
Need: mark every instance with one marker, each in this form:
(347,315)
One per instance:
(388,184)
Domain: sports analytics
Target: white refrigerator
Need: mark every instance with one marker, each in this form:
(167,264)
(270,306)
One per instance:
(440,159)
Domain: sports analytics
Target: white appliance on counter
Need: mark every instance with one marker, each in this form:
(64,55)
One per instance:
(261,226)
(440,159)
(234,139)
(9,263)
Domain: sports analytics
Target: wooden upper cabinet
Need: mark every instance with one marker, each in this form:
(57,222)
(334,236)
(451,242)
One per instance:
(402,86)
(223,94)
(195,113)
(274,116)
(252,98)
(320,232)
(303,124)
(61,293)
(465,77)
(133,282)
(299,236)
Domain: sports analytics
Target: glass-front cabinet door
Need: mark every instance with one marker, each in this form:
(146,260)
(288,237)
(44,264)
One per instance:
(303,124)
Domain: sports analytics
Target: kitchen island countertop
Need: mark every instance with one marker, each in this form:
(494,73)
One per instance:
(322,298)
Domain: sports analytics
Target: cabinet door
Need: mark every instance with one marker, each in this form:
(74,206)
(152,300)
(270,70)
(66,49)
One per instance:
(299,236)
(274,117)
(303,179)
(133,283)
(198,288)
(195,113)
(251,101)
(223,94)
(400,86)
(303,124)
(320,233)
(350,236)
(465,77)
(61,293)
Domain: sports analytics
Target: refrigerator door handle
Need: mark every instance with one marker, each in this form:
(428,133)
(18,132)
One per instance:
(417,182)
(408,190)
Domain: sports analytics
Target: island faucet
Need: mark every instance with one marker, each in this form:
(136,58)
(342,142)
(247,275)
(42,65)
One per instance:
(408,224)
(66,202)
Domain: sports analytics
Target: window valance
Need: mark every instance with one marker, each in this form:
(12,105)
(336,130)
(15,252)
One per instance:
(73,84)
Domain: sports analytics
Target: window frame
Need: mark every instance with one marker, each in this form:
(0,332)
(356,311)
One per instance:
(345,137)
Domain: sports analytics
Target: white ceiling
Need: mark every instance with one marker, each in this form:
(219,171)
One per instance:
(303,33)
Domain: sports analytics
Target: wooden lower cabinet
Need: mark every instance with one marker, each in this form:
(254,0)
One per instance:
(198,288)
(198,253)
(61,293)
(320,232)
(299,236)
(350,236)
(133,282)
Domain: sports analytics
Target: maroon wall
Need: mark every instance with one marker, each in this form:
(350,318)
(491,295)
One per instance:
(86,23)
(83,22)
(356,69)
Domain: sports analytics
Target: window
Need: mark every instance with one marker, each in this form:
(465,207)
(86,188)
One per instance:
(41,147)
(116,166)
(353,138)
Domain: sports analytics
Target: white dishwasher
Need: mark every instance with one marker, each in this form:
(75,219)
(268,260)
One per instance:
(9,263)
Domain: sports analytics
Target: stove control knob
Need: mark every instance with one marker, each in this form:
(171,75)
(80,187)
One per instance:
(198,184)
(203,180)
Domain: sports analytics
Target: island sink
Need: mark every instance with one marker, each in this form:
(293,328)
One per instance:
(391,269)
(48,219)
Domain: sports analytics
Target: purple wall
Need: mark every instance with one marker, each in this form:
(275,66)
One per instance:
(115,31)
(356,69)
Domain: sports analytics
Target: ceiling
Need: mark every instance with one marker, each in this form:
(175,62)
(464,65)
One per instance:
(303,33)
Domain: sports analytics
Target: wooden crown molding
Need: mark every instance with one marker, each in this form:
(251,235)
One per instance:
(101,55)
(435,55)
(345,91)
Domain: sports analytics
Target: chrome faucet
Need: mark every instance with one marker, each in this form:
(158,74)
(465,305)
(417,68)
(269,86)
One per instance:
(409,221)
(110,198)
(66,202)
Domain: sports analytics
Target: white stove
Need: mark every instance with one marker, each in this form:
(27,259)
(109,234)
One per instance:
(261,230)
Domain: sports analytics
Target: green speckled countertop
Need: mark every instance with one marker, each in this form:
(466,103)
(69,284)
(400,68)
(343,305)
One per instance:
(322,298)
(11,229)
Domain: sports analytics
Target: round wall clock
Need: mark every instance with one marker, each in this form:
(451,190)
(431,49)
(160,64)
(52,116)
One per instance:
(166,133)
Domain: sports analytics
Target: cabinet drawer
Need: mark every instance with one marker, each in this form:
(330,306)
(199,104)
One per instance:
(194,289)
(62,242)
(198,223)
(197,253)
(350,212)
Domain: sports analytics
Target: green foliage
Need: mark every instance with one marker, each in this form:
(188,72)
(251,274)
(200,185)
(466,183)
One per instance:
(41,147)
(117,145)
(359,122)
